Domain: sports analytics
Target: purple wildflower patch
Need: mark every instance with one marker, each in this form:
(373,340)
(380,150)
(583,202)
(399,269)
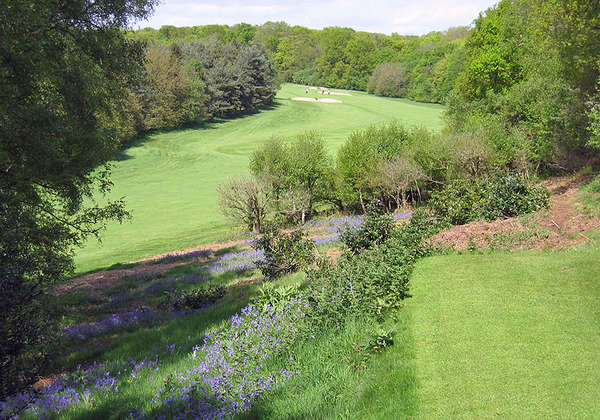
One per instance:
(82,385)
(402,215)
(236,262)
(122,321)
(229,374)
(328,239)
(177,256)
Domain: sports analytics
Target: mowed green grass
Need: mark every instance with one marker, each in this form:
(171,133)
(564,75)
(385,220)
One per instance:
(169,179)
(508,335)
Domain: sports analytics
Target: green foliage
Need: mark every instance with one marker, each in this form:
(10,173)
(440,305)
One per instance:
(594,186)
(358,158)
(594,116)
(275,297)
(64,90)
(375,230)
(591,197)
(299,174)
(423,225)
(512,195)
(388,79)
(238,77)
(377,343)
(283,252)
(462,200)
(173,95)
(531,68)
(342,57)
(492,51)
(372,283)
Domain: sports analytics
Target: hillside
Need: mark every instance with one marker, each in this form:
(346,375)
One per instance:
(169,179)
(486,332)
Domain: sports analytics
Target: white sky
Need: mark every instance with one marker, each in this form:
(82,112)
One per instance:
(406,17)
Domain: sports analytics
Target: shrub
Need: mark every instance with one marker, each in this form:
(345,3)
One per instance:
(594,186)
(275,298)
(373,283)
(511,195)
(458,202)
(375,230)
(463,201)
(244,201)
(423,225)
(360,156)
(283,252)
(297,175)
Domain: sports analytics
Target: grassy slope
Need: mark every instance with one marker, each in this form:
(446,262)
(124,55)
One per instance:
(508,335)
(498,335)
(169,179)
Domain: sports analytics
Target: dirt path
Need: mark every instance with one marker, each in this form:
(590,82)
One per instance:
(150,266)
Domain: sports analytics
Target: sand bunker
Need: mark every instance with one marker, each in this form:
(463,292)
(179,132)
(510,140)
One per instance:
(324,100)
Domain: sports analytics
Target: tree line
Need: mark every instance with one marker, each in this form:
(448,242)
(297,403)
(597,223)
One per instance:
(422,68)
(189,82)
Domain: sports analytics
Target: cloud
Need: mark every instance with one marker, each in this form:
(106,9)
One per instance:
(414,17)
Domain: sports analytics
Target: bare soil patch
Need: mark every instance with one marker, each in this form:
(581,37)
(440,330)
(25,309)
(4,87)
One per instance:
(563,226)
(105,279)
(334,254)
(101,280)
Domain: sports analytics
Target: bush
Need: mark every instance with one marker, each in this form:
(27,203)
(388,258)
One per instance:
(284,252)
(372,283)
(458,202)
(594,186)
(511,195)
(275,298)
(463,201)
(244,201)
(423,225)
(360,156)
(375,230)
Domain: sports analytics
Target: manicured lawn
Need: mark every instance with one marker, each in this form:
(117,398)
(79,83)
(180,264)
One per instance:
(169,179)
(508,335)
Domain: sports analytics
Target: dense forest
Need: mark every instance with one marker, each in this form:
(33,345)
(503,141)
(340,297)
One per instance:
(425,67)
(187,83)
(521,88)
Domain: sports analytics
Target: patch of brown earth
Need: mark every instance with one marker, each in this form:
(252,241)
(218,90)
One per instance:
(45,382)
(334,254)
(562,226)
(214,247)
(105,279)
(101,280)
